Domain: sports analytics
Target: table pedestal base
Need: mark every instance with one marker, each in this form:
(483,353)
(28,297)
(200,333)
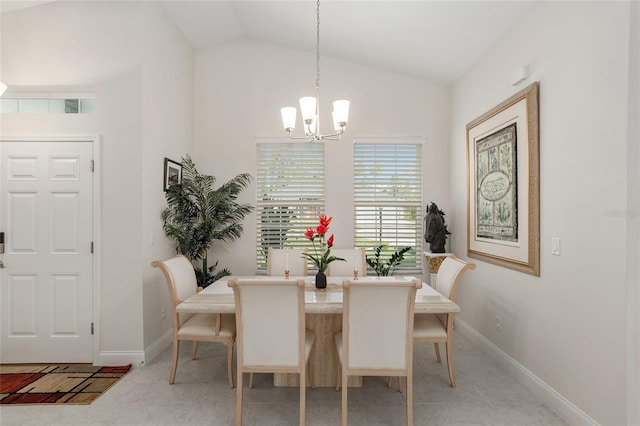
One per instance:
(323,356)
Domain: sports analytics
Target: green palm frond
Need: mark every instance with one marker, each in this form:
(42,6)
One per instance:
(197,215)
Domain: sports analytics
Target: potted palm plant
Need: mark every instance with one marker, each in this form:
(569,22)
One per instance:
(197,215)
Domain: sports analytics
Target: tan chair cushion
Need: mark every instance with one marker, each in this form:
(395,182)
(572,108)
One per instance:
(204,326)
(427,326)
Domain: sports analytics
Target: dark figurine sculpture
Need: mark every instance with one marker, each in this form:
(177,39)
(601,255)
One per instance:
(435,230)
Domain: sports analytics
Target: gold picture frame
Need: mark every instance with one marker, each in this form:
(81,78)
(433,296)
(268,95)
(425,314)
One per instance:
(503,184)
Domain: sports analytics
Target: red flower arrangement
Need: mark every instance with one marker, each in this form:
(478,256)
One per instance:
(322,258)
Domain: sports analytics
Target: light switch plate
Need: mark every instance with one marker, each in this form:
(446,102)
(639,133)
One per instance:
(555,246)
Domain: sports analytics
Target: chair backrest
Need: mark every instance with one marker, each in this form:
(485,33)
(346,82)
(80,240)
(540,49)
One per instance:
(280,259)
(449,275)
(270,323)
(354,261)
(182,283)
(180,277)
(377,323)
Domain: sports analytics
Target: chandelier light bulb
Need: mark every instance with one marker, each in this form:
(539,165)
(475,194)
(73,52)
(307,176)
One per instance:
(288,118)
(341,110)
(308,109)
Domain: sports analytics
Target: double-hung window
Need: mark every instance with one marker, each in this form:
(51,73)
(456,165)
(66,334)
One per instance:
(289,194)
(388,197)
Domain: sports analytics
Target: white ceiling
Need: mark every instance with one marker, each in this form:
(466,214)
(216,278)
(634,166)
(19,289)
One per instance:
(436,40)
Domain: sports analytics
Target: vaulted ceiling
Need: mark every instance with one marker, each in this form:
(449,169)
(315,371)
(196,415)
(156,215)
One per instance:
(435,40)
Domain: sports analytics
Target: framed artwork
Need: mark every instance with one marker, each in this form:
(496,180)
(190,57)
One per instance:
(172,173)
(503,184)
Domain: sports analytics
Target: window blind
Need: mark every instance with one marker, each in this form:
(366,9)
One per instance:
(289,195)
(388,199)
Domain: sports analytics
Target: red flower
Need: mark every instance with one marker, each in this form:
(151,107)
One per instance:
(321,255)
(324,221)
(309,233)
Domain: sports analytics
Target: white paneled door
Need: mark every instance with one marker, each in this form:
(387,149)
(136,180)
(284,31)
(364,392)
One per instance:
(46,287)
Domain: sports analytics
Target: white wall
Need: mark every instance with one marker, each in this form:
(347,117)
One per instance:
(633,221)
(167,126)
(241,87)
(567,327)
(140,69)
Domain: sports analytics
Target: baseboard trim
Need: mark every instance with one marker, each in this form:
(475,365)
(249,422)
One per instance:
(135,358)
(572,414)
(157,347)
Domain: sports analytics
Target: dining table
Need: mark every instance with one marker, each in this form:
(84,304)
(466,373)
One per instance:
(323,315)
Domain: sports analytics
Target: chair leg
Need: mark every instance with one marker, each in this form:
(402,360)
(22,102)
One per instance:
(303,388)
(338,370)
(230,362)
(239,399)
(397,381)
(310,370)
(449,348)
(437,348)
(345,387)
(194,350)
(174,362)
(409,379)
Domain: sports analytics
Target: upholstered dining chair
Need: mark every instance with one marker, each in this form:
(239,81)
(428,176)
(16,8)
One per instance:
(377,330)
(354,261)
(278,260)
(272,338)
(181,279)
(438,328)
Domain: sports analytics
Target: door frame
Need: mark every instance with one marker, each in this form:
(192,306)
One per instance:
(96,150)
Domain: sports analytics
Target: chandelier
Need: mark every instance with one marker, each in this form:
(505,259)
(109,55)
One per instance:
(310,106)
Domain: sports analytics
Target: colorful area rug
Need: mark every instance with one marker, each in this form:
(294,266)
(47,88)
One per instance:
(56,384)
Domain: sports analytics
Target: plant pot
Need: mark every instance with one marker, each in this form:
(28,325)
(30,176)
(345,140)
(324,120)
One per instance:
(321,280)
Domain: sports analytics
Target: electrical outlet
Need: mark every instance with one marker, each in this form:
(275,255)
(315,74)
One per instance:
(162,313)
(498,322)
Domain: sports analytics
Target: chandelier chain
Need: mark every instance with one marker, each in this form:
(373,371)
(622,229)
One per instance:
(318,44)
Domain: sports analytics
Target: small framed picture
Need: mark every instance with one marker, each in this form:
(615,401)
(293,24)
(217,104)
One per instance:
(172,173)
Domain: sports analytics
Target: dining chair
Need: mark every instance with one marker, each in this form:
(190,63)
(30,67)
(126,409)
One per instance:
(438,328)
(354,261)
(376,336)
(278,260)
(272,338)
(181,279)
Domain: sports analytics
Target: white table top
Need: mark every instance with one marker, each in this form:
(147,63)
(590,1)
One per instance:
(218,298)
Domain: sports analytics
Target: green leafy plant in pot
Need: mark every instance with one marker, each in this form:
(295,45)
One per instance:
(385,268)
(197,215)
